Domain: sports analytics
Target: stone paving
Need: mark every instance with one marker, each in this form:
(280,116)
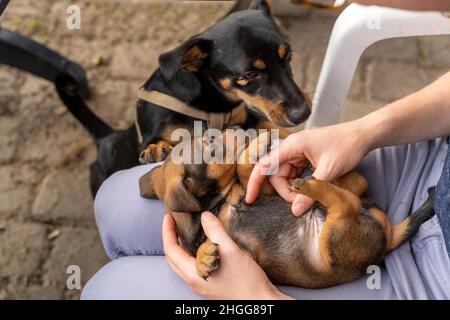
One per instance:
(46,216)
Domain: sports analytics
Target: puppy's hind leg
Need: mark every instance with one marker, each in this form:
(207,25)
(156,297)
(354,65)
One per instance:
(338,201)
(353,182)
(343,209)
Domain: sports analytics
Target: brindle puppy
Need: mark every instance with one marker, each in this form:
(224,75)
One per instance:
(334,242)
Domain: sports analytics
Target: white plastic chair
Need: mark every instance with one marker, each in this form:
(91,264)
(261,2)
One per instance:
(356,28)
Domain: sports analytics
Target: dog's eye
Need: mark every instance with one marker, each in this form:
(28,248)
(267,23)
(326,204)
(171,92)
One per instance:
(246,77)
(251,75)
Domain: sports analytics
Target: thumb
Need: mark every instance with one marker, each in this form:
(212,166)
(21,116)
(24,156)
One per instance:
(215,230)
(323,172)
(301,204)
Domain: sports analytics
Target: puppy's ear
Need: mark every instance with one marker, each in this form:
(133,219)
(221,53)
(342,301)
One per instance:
(179,199)
(263,5)
(188,57)
(150,182)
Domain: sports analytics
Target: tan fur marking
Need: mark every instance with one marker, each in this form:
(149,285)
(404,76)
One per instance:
(270,125)
(236,193)
(381,217)
(394,233)
(353,182)
(238,118)
(247,161)
(207,259)
(193,59)
(259,64)
(225,83)
(242,82)
(282,49)
(166,133)
(272,110)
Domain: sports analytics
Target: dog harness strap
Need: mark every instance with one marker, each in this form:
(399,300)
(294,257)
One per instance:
(171,103)
(215,120)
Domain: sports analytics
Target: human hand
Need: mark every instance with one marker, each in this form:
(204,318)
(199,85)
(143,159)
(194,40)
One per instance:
(332,151)
(238,277)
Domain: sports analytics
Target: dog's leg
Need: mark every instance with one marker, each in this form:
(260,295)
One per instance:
(207,259)
(353,182)
(343,208)
(339,202)
(155,152)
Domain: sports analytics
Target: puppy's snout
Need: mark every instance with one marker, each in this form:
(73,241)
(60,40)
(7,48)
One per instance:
(297,113)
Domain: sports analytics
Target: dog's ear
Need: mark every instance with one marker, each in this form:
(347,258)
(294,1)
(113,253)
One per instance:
(188,57)
(150,182)
(179,199)
(263,5)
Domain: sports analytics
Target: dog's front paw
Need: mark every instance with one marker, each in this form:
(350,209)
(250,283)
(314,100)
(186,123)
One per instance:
(207,259)
(155,152)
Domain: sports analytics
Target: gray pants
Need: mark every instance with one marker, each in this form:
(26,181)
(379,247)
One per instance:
(399,177)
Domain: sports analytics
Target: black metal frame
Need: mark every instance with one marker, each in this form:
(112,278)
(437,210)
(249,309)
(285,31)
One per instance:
(28,55)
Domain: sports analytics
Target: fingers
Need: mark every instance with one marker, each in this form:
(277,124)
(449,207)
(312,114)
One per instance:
(281,181)
(324,172)
(254,184)
(215,230)
(301,204)
(180,261)
(289,148)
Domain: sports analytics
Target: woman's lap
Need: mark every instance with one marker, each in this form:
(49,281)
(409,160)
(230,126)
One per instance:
(398,180)
(149,277)
(128,224)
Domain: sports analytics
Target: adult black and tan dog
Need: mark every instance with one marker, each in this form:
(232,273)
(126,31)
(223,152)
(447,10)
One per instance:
(243,58)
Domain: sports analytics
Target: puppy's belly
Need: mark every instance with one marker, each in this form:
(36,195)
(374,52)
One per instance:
(286,247)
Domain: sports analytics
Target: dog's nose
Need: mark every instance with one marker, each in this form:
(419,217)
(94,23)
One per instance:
(298,114)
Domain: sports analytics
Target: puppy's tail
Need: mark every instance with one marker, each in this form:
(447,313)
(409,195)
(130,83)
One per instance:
(68,91)
(404,230)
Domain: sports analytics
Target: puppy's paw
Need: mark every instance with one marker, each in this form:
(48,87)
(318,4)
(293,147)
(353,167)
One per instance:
(155,152)
(207,259)
(299,184)
(258,148)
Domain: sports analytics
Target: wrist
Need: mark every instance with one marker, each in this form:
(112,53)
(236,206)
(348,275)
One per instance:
(273,293)
(370,132)
(360,136)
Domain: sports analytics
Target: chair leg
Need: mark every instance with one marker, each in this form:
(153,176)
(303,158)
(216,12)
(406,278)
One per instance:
(28,55)
(356,29)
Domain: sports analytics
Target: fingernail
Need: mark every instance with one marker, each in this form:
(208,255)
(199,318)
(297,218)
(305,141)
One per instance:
(207,216)
(265,162)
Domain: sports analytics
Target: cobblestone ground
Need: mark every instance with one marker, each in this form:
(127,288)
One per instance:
(46,216)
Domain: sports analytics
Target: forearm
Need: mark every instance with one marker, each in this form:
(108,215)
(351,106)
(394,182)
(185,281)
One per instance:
(420,116)
(438,5)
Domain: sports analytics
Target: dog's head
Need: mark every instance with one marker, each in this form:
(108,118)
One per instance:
(243,57)
(186,186)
